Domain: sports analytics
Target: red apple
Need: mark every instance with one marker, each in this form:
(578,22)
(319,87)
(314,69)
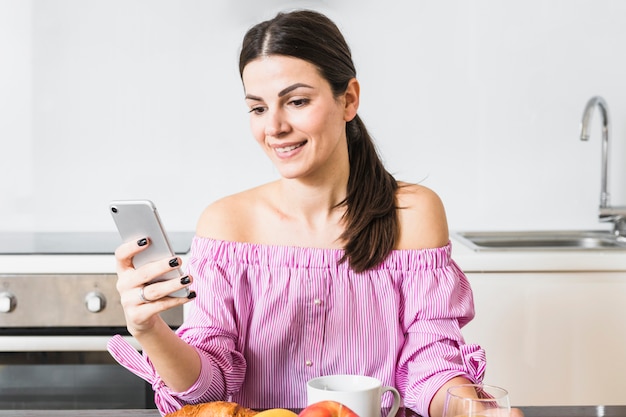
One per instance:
(327,409)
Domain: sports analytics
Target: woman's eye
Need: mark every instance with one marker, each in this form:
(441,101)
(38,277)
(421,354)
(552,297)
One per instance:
(299,102)
(257,110)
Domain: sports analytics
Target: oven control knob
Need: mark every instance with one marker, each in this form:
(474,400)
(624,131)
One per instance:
(7,302)
(95,301)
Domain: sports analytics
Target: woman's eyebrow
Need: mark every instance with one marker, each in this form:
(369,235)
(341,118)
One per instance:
(282,92)
(292,87)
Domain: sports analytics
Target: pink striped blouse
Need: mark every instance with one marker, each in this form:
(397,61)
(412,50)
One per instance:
(269,318)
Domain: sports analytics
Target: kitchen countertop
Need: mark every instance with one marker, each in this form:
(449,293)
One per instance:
(542,411)
(471,260)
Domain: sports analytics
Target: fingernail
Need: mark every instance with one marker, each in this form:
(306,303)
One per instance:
(174,262)
(142,242)
(191,295)
(185,280)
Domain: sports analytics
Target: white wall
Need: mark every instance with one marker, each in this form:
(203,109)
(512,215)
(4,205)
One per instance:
(480,100)
(16,114)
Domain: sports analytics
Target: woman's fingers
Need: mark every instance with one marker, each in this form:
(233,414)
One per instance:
(145,284)
(125,252)
(159,290)
(142,315)
(516,412)
(129,276)
(151,271)
(143,292)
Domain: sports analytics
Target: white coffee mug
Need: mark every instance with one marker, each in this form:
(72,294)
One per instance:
(361,394)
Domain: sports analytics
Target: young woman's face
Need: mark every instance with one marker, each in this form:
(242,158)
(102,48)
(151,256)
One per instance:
(295,118)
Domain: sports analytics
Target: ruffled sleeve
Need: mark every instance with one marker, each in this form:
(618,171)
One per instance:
(474,361)
(166,400)
(128,357)
(437,302)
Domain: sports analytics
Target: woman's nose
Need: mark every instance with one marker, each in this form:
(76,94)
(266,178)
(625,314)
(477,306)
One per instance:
(275,124)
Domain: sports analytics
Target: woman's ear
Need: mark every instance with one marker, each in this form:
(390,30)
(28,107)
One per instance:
(351,100)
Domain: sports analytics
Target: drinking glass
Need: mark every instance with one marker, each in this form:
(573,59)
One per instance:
(473,400)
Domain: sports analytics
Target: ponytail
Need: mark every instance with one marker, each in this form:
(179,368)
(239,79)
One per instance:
(371,217)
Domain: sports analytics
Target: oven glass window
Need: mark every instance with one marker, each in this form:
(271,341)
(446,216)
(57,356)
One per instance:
(69,380)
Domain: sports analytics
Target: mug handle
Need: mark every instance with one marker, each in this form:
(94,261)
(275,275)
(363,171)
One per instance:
(396,400)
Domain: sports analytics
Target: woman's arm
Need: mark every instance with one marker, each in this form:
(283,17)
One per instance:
(438,401)
(438,299)
(175,361)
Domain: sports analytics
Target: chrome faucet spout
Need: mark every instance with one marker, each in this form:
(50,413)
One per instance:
(599,102)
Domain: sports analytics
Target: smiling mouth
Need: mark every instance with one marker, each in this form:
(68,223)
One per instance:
(286,149)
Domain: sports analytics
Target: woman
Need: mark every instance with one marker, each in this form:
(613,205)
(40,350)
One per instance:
(333,268)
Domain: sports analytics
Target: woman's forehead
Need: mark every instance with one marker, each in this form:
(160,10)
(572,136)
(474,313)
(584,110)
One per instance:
(278,71)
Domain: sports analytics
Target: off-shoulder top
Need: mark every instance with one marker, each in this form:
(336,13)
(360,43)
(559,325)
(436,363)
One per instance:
(268,318)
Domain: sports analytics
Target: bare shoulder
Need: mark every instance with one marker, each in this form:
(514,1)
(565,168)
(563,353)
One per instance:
(423,222)
(230,218)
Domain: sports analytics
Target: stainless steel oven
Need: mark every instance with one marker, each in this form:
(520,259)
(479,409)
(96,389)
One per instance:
(57,312)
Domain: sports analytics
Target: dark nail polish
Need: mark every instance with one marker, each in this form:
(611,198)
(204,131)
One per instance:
(185,280)
(174,262)
(142,242)
(191,295)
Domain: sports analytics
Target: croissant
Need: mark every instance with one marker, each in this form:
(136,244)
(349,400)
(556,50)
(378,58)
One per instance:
(213,409)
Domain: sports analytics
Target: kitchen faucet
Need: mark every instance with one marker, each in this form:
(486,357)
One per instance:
(617,215)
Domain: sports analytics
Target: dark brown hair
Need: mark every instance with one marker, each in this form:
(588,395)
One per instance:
(371,219)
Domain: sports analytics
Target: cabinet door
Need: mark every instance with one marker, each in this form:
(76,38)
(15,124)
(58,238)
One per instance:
(553,338)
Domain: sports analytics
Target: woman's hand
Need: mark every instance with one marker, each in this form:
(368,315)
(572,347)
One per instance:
(142,302)
(437,404)
(516,412)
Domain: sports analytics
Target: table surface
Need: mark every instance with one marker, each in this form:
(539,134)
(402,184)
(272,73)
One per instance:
(539,411)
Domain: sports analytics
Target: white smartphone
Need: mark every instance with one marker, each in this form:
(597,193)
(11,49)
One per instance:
(136,219)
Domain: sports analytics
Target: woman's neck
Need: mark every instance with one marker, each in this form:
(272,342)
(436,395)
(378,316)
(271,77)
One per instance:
(311,204)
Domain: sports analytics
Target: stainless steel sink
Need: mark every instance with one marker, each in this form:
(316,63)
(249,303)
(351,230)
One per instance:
(542,240)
